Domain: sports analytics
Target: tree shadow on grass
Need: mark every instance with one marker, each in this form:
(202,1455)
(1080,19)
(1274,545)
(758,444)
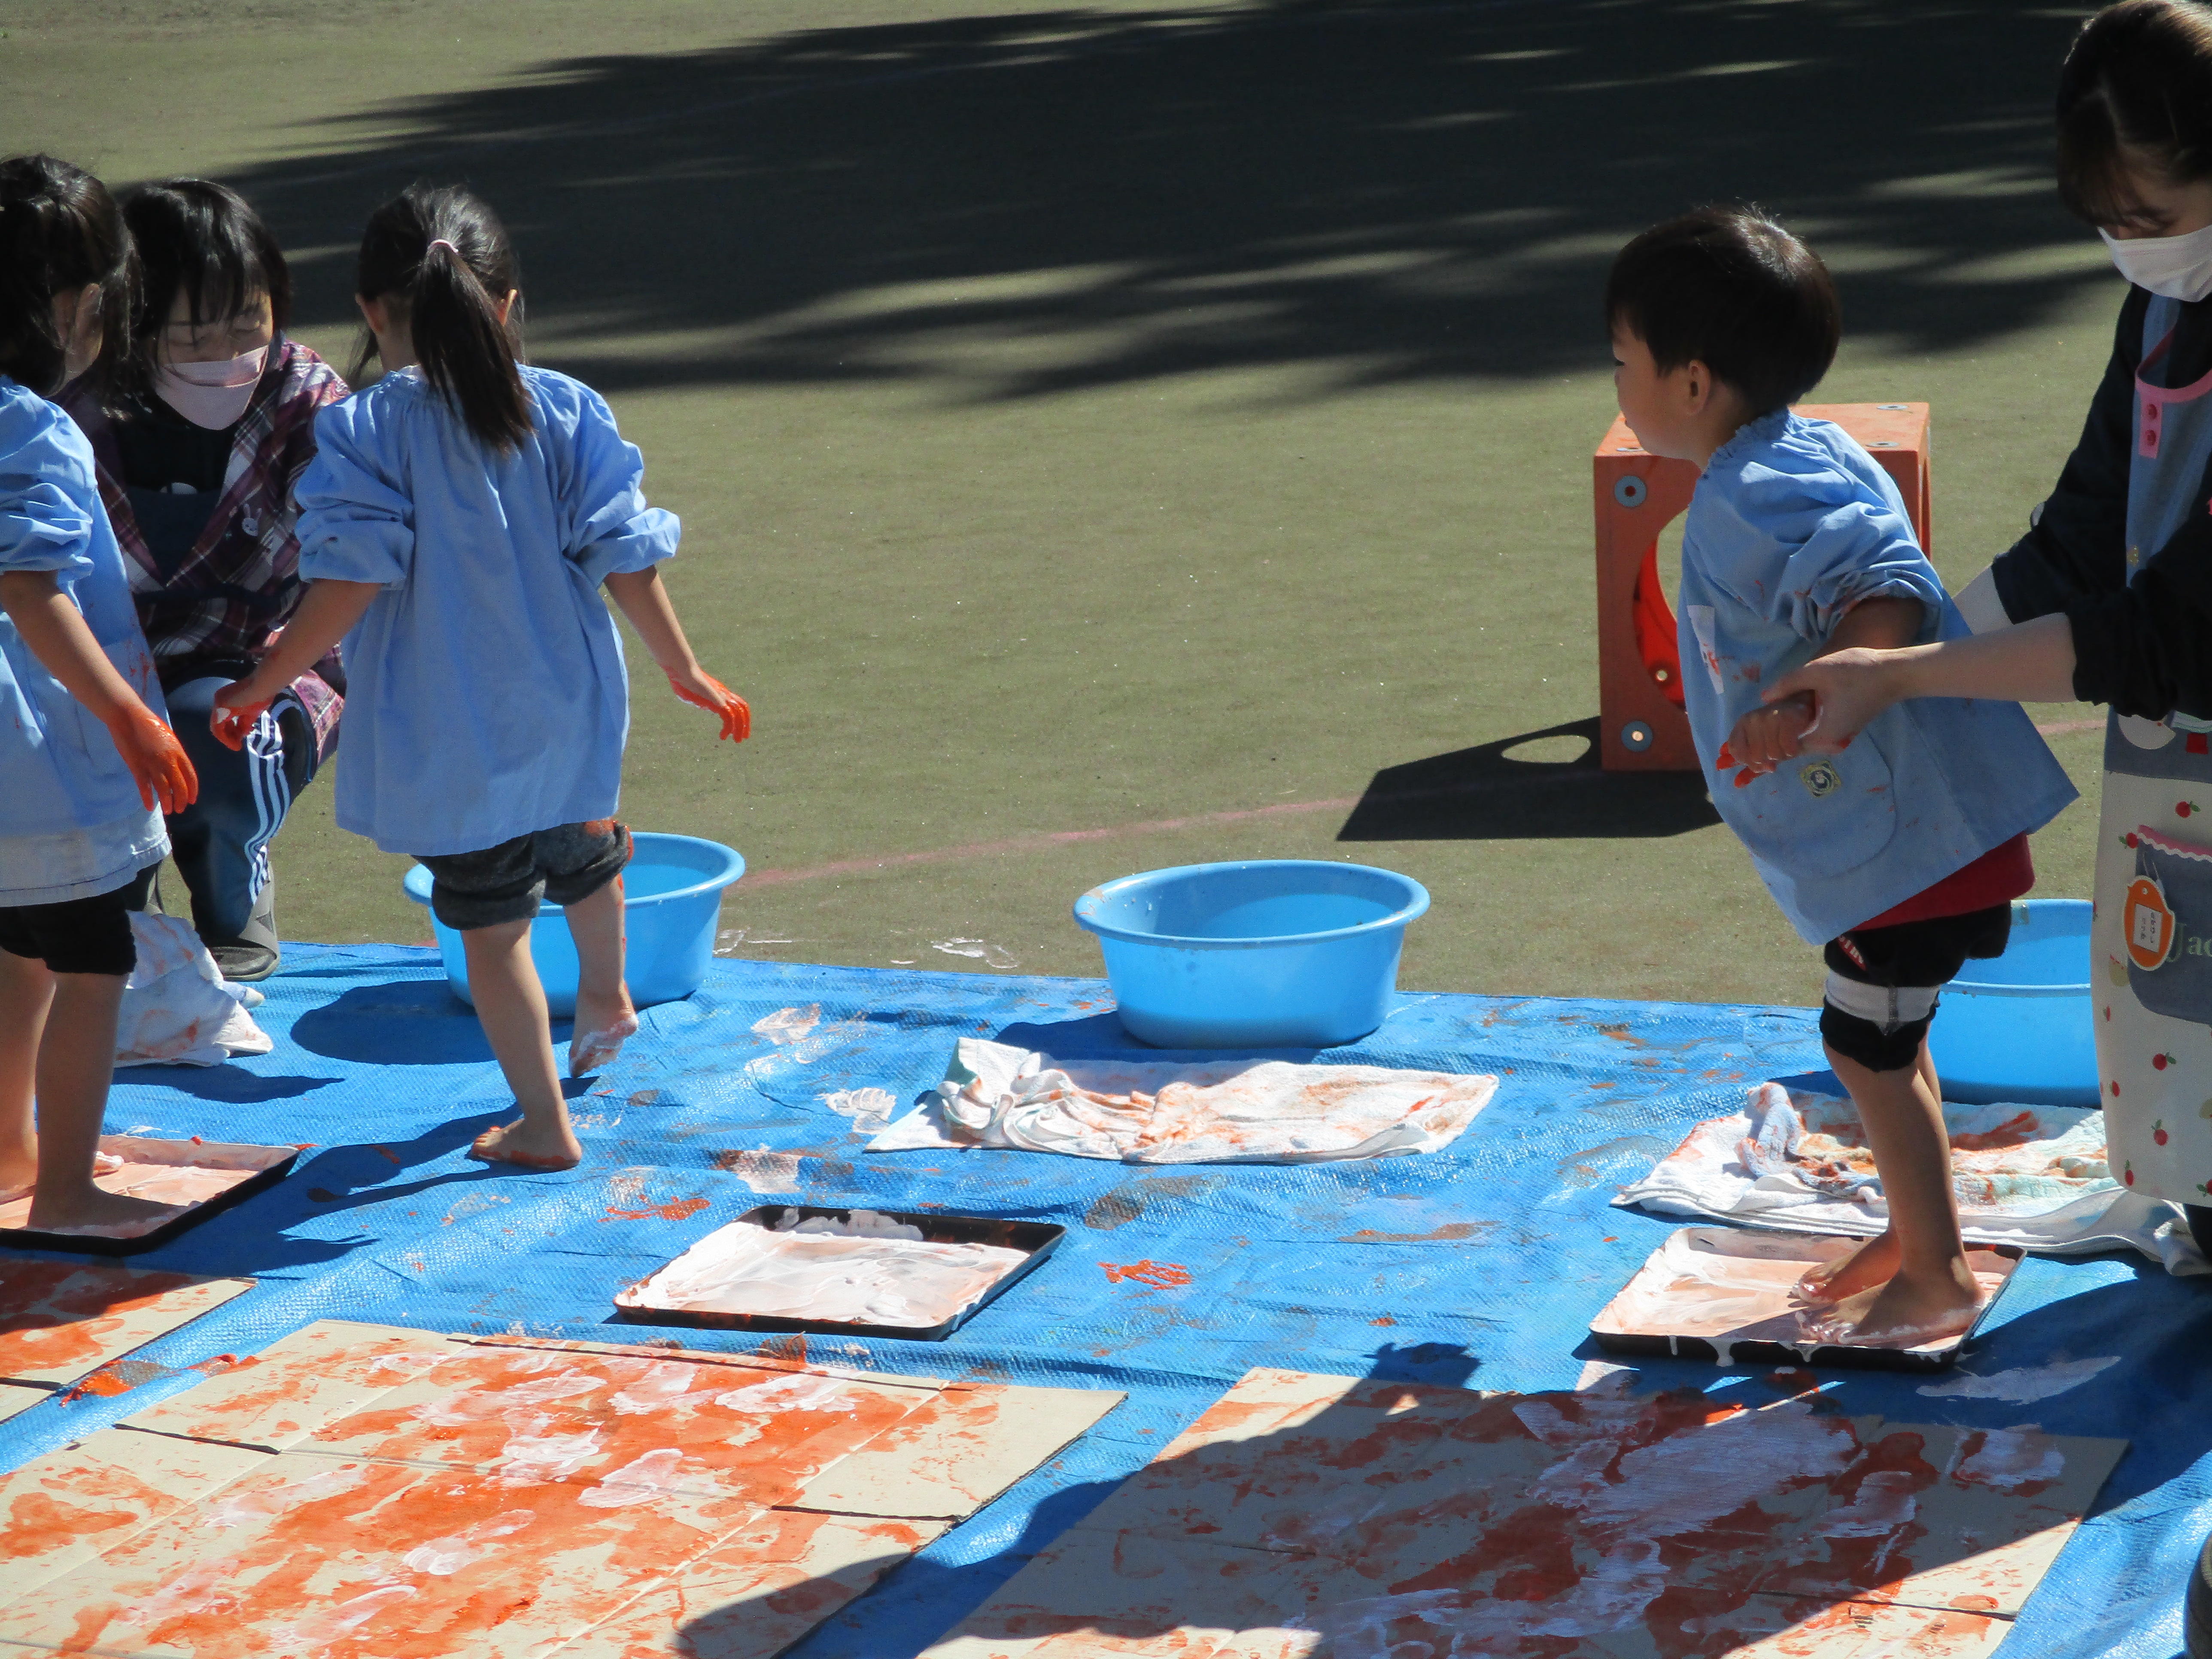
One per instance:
(1009,206)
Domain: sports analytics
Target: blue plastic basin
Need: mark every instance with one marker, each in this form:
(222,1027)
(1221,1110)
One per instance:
(2020,1026)
(672,898)
(1274,953)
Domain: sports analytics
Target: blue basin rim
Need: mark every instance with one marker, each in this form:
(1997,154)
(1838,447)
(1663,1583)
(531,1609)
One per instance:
(416,882)
(1989,986)
(1415,906)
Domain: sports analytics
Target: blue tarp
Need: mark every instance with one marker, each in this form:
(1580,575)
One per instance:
(1481,1265)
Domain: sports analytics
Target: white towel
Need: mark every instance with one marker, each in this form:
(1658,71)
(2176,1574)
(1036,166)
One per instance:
(1233,1111)
(178,1009)
(2030,1176)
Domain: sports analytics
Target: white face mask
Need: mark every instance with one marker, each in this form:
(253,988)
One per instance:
(2177,267)
(211,395)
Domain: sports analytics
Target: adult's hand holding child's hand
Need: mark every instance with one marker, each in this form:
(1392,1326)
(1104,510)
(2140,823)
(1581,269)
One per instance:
(1846,688)
(158,763)
(1765,738)
(237,707)
(702,690)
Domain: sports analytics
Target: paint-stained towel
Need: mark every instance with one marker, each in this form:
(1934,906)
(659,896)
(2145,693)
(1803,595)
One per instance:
(1230,1111)
(178,1009)
(2030,1176)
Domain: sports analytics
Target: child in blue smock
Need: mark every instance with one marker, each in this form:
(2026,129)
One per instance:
(456,527)
(1899,856)
(85,758)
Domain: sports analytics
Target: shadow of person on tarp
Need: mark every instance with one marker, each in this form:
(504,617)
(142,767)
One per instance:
(234,1086)
(409,1022)
(1489,792)
(923,1597)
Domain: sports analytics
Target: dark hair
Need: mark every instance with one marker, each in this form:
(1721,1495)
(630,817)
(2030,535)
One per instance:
(203,240)
(441,259)
(2138,77)
(59,230)
(1730,289)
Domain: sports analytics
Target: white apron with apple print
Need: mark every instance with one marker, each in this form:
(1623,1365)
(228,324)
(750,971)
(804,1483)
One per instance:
(2151,943)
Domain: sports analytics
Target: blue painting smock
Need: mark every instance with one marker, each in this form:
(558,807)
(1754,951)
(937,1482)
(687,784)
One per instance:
(487,696)
(72,824)
(1791,525)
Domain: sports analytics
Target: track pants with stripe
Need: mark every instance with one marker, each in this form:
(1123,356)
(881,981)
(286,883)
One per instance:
(221,841)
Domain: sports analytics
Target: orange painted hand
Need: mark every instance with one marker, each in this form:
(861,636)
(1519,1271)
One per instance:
(1765,738)
(230,719)
(158,763)
(702,690)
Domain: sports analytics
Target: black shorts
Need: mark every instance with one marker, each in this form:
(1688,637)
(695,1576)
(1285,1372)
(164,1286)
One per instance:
(1901,969)
(507,882)
(83,935)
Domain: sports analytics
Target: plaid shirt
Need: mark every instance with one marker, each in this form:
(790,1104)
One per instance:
(239,584)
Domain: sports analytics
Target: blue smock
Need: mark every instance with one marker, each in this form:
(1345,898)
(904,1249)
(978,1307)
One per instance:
(72,824)
(486,695)
(1791,525)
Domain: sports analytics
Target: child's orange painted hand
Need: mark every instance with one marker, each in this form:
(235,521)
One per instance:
(237,707)
(1765,738)
(702,690)
(158,763)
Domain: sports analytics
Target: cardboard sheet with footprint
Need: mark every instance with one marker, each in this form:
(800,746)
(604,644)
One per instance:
(1309,1514)
(61,1321)
(362,1490)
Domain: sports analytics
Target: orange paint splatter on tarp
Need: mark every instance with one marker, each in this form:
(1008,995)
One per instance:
(117,1377)
(1450,1233)
(1160,1275)
(676,1210)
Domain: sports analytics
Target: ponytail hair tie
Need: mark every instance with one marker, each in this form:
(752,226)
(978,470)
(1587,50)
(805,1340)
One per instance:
(443,243)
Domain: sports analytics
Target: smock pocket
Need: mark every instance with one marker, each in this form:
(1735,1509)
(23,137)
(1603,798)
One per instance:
(2166,925)
(1819,815)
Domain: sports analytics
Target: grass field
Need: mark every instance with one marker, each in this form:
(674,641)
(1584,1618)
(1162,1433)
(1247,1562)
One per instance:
(1110,436)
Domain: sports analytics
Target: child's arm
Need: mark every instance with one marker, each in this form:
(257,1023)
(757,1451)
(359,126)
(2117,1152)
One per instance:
(644,600)
(1767,737)
(54,629)
(326,614)
(2028,662)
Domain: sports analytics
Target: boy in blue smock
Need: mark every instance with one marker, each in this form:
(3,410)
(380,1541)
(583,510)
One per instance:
(85,759)
(1899,856)
(456,527)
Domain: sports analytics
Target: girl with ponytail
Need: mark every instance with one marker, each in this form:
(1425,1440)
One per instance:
(87,765)
(456,527)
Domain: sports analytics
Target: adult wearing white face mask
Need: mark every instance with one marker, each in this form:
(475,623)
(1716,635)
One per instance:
(2108,598)
(201,424)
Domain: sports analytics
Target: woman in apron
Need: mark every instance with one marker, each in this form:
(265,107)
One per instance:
(2108,598)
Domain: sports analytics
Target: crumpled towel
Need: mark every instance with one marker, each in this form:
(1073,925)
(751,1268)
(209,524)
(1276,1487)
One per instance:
(1232,1111)
(178,1009)
(2030,1176)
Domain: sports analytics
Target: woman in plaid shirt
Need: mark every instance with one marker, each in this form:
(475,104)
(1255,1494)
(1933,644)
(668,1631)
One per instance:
(200,425)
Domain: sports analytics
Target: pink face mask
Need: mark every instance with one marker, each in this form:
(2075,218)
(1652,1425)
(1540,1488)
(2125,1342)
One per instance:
(211,395)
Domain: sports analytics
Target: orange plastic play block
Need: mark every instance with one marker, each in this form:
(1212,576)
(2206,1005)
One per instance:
(1636,495)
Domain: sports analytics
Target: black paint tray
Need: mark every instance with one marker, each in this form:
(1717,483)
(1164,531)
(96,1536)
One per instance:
(1035,1238)
(261,1167)
(1757,1267)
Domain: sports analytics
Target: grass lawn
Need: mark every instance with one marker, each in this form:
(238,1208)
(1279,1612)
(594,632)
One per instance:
(1108,437)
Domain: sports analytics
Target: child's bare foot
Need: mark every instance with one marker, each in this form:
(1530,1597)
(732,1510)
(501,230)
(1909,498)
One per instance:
(1869,1267)
(603,1025)
(95,1209)
(529,1145)
(14,1185)
(1902,1314)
